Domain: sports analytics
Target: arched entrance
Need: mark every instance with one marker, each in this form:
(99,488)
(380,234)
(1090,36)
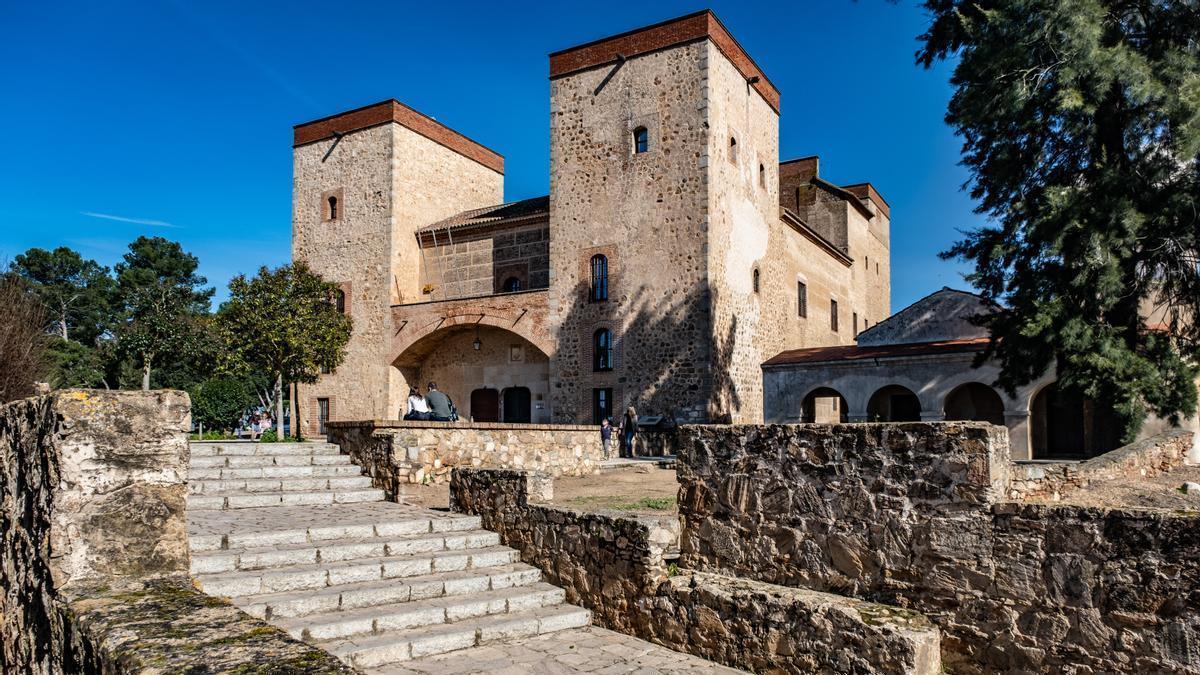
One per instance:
(1064,425)
(974,402)
(894,403)
(492,374)
(824,406)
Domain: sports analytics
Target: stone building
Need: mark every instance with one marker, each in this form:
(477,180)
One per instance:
(674,254)
(919,364)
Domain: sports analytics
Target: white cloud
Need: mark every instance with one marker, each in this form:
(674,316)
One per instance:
(136,221)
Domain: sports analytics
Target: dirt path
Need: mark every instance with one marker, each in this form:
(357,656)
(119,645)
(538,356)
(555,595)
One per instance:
(1161,491)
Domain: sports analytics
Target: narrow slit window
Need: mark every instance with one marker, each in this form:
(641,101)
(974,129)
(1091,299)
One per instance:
(802,299)
(762,176)
(733,149)
(833,316)
(333,208)
(755,279)
(641,140)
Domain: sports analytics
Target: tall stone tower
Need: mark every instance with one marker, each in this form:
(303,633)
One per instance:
(664,168)
(364,181)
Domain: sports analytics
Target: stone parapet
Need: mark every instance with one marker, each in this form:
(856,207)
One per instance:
(121,630)
(1145,458)
(94,552)
(614,566)
(914,515)
(395,453)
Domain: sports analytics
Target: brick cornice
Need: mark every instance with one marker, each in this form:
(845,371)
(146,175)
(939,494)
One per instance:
(395,111)
(682,30)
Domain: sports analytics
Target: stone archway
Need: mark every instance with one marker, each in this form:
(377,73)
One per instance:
(974,401)
(467,361)
(824,405)
(894,403)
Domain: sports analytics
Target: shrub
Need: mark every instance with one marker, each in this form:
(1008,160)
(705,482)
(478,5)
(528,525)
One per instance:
(219,402)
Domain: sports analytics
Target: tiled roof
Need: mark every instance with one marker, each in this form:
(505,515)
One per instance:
(855,353)
(494,215)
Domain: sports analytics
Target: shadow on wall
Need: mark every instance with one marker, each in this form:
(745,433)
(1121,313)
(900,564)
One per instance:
(666,361)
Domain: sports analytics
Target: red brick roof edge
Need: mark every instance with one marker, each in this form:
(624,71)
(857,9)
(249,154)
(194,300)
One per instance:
(392,110)
(854,352)
(670,33)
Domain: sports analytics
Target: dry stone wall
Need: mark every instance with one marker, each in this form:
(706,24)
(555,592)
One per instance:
(94,551)
(614,566)
(1142,459)
(914,515)
(395,453)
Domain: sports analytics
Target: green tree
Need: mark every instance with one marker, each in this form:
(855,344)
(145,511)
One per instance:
(77,293)
(283,322)
(1080,122)
(219,403)
(76,365)
(163,300)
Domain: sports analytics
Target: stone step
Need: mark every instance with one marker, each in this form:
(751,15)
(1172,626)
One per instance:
(205,486)
(326,574)
(246,473)
(250,500)
(246,461)
(420,613)
(384,522)
(244,448)
(373,593)
(374,650)
(336,550)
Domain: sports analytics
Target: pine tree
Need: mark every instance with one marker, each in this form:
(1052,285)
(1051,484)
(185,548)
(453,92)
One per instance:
(1081,129)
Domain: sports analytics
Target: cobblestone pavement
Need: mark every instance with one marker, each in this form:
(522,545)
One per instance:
(580,650)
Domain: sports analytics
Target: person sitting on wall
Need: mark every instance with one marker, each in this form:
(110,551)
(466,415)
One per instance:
(418,407)
(441,408)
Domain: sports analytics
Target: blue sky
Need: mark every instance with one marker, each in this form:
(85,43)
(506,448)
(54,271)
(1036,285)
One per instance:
(174,118)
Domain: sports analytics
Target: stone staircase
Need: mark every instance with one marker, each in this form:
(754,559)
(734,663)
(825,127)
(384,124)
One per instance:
(291,533)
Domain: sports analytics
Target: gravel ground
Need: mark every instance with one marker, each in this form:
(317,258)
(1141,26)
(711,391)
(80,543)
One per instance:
(1161,491)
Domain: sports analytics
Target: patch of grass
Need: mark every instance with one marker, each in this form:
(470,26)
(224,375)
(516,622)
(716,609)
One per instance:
(622,503)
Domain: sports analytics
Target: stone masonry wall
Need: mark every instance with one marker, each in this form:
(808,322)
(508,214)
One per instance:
(914,515)
(646,212)
(395,453)
(94,551)
(1141,459)
(614,566)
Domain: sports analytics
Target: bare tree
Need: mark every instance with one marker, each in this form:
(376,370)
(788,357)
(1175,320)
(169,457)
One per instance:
(23,341)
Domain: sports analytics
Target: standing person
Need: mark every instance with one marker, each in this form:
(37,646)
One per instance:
(441,408)
(629,429)
(606,437)
(418,407)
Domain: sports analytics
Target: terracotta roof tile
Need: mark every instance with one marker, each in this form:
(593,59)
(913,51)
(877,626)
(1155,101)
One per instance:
(494,215)
(854,353)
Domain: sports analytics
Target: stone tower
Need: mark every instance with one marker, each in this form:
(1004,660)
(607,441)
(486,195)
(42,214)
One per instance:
(364,181)
(664,160)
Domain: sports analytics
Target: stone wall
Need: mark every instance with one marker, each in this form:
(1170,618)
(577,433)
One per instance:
(464,264)
(94,551)
(614,566)
(914,515)
(1141,459)
(390,181)
(395,453)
